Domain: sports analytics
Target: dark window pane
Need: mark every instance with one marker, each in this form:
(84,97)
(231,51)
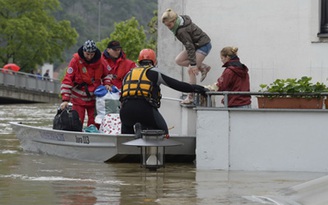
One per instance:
(324,16)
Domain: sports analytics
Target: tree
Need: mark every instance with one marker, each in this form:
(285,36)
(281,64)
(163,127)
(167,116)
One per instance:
(153,25)
(131,36)
(30,35)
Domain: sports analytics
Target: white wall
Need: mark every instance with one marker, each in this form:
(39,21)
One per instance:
(49,67)
(276,39)
(168,48)
(262,140)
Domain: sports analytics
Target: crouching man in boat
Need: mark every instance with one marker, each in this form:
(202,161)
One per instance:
(141,94)
(85,72)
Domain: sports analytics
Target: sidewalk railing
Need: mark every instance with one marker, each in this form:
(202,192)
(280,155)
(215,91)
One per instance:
(28,81)
(226,93)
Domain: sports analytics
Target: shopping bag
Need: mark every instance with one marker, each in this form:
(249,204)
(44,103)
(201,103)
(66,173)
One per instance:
(108,103)
(111,124)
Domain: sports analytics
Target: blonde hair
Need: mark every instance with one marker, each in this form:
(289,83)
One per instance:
(229,51)
(169,15)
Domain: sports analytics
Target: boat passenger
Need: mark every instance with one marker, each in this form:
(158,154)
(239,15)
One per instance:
(85,72)
(118,63)
(141,94)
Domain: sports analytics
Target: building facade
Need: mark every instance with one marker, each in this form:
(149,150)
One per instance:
(276,39)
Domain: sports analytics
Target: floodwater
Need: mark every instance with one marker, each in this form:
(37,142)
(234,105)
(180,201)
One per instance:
(32,178)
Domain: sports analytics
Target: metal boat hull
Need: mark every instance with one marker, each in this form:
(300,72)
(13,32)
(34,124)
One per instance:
(96,147)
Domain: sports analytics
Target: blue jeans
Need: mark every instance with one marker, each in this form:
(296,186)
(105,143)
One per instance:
(205,49)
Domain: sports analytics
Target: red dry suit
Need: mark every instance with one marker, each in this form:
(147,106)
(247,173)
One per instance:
(81,79)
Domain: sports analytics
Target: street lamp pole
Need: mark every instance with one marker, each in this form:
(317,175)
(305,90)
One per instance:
(99,6)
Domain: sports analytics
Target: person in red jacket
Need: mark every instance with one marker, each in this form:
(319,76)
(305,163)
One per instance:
(234,78)
(118,63)
(85,72)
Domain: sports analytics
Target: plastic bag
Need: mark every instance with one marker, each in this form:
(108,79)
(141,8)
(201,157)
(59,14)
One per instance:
(111,124)
(108,103)
(91,128)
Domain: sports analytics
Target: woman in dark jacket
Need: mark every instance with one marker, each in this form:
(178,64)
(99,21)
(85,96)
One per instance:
(196,42)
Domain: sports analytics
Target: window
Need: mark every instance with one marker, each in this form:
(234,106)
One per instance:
(324,19)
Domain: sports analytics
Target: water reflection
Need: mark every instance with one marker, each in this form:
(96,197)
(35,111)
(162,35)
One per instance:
(34,179)
(68,182)
(171,184)
(84,195)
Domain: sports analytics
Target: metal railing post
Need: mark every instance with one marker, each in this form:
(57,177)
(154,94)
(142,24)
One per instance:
(225,99)
(226,93)
(209,101)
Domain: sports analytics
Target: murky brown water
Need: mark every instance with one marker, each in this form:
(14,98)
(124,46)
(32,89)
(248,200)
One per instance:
(31,178)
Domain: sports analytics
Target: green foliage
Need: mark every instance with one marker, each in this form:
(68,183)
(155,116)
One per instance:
(153,25)
(131,36)
(36,31)
(95,19)
(293,86)
(30,35)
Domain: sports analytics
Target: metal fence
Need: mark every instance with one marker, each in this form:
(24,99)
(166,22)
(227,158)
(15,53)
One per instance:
(29,81)
(225,95)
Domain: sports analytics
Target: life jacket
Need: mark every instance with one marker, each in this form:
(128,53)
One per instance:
(84,73)
(137,85)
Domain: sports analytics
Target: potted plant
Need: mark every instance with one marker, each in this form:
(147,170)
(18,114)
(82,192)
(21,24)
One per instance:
(292,93)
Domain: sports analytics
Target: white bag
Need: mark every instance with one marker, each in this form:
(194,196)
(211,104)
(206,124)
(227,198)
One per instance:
(106,104)
(111,124)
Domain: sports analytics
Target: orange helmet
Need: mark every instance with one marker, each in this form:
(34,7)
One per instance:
(147,54)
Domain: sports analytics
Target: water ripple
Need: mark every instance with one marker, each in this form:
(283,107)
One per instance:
(54,178)
(8,151)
